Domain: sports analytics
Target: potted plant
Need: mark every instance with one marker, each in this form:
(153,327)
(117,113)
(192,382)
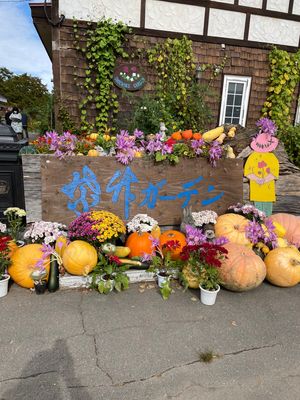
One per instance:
(163,265)
(39,277)
(15,222)
(109,274)
(4,264)
(203,262)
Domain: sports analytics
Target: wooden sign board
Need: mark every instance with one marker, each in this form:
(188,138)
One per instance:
(129,77)
(79,184)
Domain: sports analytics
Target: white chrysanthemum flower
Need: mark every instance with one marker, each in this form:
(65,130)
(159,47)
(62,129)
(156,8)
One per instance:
(141,223)
(204,217)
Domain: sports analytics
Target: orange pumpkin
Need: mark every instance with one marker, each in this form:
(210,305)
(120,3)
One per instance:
(80,258)
(12,245)
(232,226)
(291,223)
(242,270)
(93,153)
(176,135)
(173,235)
(283,266)
(197,136)
(187,135)
(24,261)
(139,243)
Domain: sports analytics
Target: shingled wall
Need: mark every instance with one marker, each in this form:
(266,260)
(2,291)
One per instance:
(246,61)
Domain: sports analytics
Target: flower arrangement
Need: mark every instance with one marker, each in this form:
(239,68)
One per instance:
(248,211)
(40,273)
(162,263)
(265,233)
(109,273)
(204,261)
(125,146)
(266,125)
(15,221)
(4,255)
(196,236)
(204,217)
(96,227)
(45,232)
(141,223)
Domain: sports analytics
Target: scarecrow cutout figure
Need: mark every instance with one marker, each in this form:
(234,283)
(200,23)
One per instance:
(262,167)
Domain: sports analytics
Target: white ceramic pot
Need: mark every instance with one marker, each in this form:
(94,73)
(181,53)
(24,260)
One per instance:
(208,297)
(109,283)
(4,285)
(161,279)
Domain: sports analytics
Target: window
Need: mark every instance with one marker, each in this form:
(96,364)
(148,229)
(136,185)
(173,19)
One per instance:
(235,98)
(297,117)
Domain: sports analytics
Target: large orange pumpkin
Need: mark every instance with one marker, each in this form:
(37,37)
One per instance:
(173,235)
(80,258)
(139,243)
(233,227)
(24,261)
(283,266)
(292,225)
(242,269)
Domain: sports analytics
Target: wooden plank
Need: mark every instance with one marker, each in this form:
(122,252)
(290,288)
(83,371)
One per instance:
(193,182)
(32,187)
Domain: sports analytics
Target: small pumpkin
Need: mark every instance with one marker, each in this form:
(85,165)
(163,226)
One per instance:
(79,258)
(233,227)
(242,270)
(173,235)
(176,136)
(191,278)
(93,153)
(291,224)
(139,243)
(23,263)
(283,266)
(197,136)
(187,135)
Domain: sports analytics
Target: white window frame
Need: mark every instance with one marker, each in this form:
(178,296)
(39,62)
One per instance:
(297,117)
(245,80)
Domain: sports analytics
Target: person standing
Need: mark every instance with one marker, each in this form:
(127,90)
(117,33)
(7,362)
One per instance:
(7,115)
(16,121)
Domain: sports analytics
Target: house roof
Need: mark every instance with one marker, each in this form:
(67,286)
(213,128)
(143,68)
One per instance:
(43,27)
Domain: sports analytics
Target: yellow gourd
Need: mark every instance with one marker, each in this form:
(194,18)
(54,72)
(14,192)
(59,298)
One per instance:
(213,134)
(94,136)
(230,153)
(122,251)
(231,132)
(221,138)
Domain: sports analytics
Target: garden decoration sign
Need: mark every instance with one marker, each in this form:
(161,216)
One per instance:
(143,187)
(262,169)
(129,77)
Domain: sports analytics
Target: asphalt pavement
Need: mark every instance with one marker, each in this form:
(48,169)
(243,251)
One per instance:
(80,345)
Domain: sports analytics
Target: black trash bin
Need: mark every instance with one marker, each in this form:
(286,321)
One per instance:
(11,175)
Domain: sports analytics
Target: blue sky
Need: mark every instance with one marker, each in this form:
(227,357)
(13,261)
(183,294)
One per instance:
(21,49)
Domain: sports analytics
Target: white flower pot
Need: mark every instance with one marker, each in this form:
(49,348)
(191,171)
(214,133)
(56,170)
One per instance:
(208,297)
(161,279)
(4,285)
(109,283)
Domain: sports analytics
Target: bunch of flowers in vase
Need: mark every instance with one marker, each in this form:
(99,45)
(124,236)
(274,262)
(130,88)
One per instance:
(15,222)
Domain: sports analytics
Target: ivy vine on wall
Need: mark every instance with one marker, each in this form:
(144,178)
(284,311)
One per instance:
(104,44)
(283,80)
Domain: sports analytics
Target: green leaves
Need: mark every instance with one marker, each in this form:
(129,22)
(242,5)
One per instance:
(166,290)
(104,42)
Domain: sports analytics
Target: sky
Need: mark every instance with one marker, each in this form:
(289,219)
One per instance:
(21,50)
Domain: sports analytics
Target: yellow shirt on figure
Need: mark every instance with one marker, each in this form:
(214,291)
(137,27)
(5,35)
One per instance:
(262,165)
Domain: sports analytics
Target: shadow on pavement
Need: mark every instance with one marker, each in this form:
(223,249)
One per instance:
(49,375)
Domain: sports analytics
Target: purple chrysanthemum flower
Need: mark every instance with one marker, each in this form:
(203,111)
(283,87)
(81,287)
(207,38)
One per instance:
(197,146)
(138,134)
(215,153)
(220,241)
(194,236)
(254,232)
(266,125)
